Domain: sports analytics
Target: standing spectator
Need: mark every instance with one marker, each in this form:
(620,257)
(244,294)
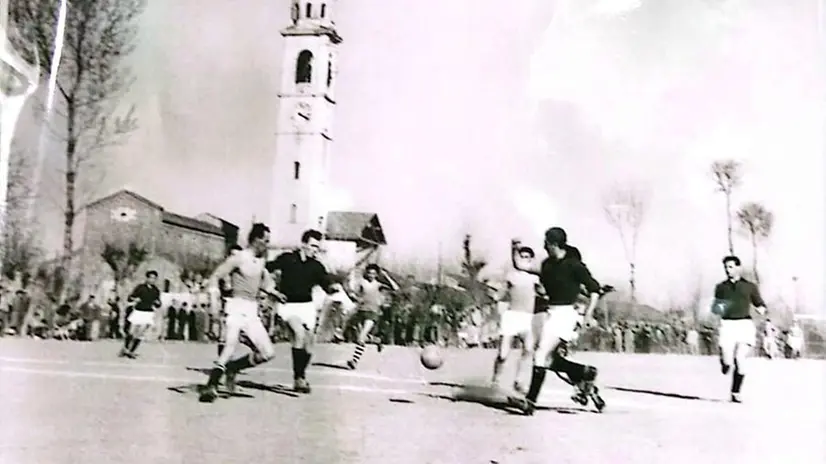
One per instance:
(114,318)
(19,309)
(692,339)
(6,303)
(172,321)
(195,323)
(183,321)
(795,340)
(104,316)
(628,338)
(617,338)
(90,312)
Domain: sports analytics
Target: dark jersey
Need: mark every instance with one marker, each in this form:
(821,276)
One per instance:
(298,277)
(563,278)
(148,297)
(737,298)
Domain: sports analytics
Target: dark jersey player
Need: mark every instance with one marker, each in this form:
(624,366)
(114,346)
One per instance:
(562,275)
(298,272)
(144,299)
(733,299)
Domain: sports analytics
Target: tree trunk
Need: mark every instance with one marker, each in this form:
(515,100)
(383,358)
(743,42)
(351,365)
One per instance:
(632,281)
(754,257)
(728,219)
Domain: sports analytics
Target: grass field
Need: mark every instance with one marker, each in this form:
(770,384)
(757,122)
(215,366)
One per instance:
(75,402)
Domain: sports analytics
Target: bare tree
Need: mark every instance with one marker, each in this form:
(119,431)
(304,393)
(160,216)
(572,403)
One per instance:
(756,221)
(123,261)
(92,77)
(625,210)
(727,176)
(19,241)
(194,266)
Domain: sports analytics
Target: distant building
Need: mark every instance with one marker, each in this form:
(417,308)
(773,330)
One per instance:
(172,240)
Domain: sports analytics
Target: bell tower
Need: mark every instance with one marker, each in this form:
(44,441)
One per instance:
(304,135)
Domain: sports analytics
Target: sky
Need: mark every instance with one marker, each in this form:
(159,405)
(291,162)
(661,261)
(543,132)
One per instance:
(502,118)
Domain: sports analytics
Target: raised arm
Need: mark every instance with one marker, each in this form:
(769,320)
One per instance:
(393,286)
(521,264)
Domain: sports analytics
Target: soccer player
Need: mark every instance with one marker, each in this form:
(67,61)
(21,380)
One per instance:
(562,274)
(516,320)
(369,298)
(144,299)
(248,277)
(298,272)
(733,299)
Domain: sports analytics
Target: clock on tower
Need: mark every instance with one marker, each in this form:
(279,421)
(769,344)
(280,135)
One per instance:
(304,125)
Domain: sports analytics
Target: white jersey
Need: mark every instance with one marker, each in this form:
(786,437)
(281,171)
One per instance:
(247,274)
(522,291)
(370,293)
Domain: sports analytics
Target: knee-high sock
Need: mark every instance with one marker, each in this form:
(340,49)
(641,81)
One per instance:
(358,353)
(537,379)
(575,371)
(305,361)
(244,362)
(737,381)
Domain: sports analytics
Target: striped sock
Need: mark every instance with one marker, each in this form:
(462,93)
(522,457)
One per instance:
(358,353)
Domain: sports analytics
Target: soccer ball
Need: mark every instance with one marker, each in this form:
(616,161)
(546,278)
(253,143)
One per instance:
(718,307)
(431,358)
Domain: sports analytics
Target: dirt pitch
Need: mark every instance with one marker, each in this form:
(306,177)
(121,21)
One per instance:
(77,403)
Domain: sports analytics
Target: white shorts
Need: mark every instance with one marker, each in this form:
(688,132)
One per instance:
(736,332)
(142,318)
(560,322)
(242,318)
(513,323)
(306,312)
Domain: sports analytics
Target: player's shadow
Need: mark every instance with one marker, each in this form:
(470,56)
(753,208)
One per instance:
(490,398)
(277,388)
(197,387)
(678,396)
(331,366)
(205,370)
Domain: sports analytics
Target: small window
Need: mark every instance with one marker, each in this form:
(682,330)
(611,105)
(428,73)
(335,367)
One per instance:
(309,10)
(304,67)
(323,10)
(296,170)
(293,213)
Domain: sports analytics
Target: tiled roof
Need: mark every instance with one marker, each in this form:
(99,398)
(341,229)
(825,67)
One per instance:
(130,193)
(355,226)
(191,223)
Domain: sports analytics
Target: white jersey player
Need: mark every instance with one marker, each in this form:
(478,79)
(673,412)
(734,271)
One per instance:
(516,316)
